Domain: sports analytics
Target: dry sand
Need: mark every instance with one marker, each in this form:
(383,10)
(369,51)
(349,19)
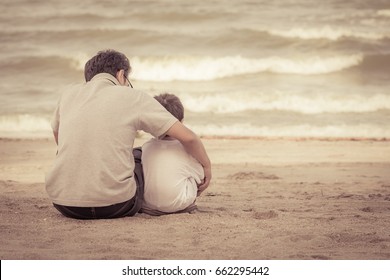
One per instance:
(269,199)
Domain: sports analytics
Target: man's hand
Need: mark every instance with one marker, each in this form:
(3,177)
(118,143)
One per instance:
(206,181)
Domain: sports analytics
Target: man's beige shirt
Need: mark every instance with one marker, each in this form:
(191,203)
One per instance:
(97,123)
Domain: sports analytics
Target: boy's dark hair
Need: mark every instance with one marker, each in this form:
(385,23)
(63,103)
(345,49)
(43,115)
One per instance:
(106,61)
(172,103)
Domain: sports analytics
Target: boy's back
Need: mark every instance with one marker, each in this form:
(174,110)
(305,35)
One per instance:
(171,176)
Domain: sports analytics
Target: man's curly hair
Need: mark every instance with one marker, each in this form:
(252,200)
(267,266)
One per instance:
(106,61)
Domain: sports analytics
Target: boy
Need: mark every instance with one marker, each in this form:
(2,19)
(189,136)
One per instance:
(171,175)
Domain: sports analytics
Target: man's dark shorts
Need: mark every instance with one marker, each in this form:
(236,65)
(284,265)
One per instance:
(127,208)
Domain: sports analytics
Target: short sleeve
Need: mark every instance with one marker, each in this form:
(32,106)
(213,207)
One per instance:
(154,118)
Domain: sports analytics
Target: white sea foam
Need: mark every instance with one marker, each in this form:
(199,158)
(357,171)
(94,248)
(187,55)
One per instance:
(223,103)
(329,131)
(328,32)
(21,126)
(78,60)
(384,12)
(210,68)
(24,126)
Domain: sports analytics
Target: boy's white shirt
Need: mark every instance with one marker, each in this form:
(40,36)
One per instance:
(171,175)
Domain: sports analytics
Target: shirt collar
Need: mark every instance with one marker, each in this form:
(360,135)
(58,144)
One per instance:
(106,76)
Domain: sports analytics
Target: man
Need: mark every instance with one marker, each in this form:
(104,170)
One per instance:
(94,126)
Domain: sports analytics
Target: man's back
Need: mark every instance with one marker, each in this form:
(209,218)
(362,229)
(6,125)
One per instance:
(97,124)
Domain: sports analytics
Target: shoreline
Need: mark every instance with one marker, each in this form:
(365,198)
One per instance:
(227,137)
(298,138)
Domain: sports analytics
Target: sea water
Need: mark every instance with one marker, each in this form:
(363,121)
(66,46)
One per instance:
(282,68)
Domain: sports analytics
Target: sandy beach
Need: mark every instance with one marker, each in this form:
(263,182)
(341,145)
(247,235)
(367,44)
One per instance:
(269,199)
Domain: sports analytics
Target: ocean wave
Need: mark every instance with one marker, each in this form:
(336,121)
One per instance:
(191,68)
(24,125)
(329,33)
(299,131)
(209,68)
(46,62)
(384,12)
(21,126)
(278,101)
(202,68)
(194,68)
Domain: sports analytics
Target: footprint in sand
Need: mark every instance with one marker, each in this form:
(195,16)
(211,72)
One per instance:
(265,215)
(367,209)
(302,237)
(320,257)
(375,195)
(252,176)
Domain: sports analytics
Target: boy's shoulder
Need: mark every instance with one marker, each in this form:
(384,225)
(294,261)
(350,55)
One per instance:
(172,145)
(163,142)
